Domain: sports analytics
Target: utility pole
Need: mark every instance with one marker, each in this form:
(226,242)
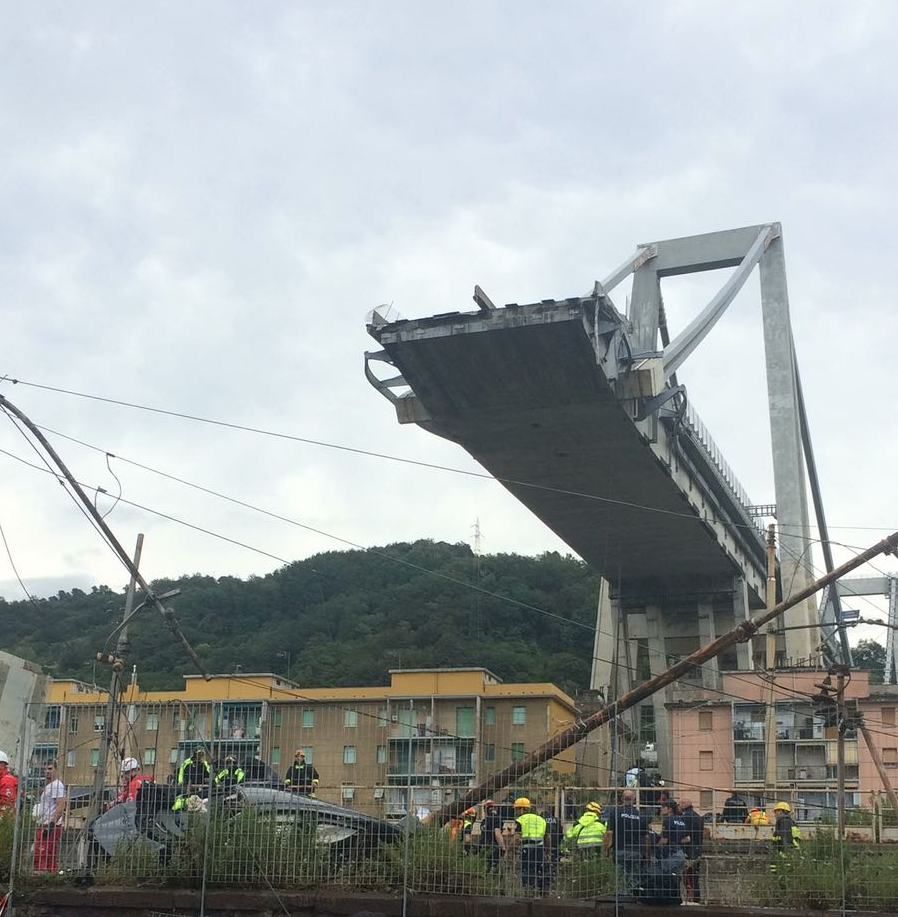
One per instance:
(840,751)
(770,743)
(117,661)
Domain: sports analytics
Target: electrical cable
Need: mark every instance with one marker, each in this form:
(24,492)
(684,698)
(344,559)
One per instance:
(373,454)
(15,570)
(384,555)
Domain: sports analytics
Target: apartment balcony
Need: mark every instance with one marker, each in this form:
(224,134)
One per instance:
(797,775)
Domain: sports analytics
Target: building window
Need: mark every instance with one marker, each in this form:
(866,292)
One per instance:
(518,716)
(73,724)
(383,717)
(152,722)
(70,758)
(275,756)
(381,754)
(489,716)
(350,718)
(308,718)
(706,760)
(173,756)
(706,799)
(176,719)
(347,793)
(888,716)
(517,751)
(705,720)
(646,723)
(99,722)
(890,757)
(464,722)
(348,754)
(149,756)
(52,717)
(489,753)
(95,757)
(277,718)
(309,752)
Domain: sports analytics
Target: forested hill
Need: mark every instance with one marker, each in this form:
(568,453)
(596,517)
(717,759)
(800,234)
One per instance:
(344,618)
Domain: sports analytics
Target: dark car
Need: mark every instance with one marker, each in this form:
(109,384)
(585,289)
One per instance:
(337,830)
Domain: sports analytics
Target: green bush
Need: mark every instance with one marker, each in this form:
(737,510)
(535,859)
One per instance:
(436,863)
(586,877)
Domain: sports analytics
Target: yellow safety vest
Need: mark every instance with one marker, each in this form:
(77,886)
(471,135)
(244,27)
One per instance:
(533,827)
(589,831)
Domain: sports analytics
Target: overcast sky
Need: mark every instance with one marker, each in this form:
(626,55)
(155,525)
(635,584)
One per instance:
(202,201)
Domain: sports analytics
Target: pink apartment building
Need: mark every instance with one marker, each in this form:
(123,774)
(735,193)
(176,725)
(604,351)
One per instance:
(718,743)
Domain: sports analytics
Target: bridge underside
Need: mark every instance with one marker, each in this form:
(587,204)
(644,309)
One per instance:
(522,391)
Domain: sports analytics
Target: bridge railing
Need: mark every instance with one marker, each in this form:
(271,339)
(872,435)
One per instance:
(702,436)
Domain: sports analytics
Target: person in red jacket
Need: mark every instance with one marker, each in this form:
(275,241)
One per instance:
(9,785)
(131,780)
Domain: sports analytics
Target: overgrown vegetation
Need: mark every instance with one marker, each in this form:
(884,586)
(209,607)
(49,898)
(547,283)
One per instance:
(345,618)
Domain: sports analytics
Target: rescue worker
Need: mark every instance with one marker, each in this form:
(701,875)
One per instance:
(587,835)
(9,785)
(786,835)
(131,780)
(193,776)
(531,828)
(301,777)
(230,775)
(757,817)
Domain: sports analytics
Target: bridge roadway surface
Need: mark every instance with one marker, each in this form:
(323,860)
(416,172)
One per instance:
(522,390)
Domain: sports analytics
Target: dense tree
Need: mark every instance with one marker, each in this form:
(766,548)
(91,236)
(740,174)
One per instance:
(344,618)
(871,657)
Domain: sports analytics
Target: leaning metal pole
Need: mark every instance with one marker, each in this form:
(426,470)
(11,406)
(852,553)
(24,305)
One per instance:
(168,616)
(740,634)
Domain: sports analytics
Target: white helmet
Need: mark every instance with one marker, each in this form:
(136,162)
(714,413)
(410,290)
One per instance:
(4,757)
(130,764)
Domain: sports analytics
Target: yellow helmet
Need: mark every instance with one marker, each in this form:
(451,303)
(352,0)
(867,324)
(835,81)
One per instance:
(594,807)
(470,811)
(783,807)
(522,802)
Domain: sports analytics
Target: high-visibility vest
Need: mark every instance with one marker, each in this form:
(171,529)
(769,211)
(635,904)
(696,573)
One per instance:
(758,817)
(588,831)
(533,827)
(230,776)
(189,763)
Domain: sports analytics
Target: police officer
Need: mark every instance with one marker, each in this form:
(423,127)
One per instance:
(693,845)
(531,828)
(628,833)
(301,777)
(193,776)
(587,835)
(230,775)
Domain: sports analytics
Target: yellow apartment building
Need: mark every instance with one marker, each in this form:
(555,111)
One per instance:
(431,733)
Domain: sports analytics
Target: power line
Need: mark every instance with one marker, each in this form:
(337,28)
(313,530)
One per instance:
(346,541)
(394,458)
(397,560)
(15,570)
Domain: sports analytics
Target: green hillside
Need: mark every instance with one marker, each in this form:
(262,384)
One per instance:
(344,617)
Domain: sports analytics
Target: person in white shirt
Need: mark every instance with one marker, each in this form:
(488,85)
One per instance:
(50,813)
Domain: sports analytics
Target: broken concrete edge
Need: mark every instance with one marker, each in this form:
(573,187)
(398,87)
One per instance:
(137,901)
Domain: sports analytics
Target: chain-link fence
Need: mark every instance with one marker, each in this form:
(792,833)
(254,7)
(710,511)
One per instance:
(204,798)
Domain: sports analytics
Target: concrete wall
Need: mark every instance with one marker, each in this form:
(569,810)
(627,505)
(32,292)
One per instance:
(22,686)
